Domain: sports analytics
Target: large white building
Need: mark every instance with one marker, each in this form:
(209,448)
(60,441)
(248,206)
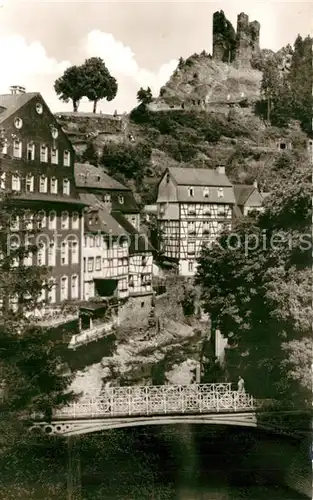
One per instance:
(194,206)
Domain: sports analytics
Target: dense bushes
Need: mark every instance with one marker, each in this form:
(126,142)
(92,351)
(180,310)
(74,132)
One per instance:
(127,160)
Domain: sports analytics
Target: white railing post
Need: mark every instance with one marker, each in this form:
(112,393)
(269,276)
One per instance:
(164,398)
(235,400)
(112,401)
(129,397)
(147,400)
(217,401)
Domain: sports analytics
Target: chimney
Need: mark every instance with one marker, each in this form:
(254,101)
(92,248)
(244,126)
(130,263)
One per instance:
(221,169)
(255,184)
(17,89)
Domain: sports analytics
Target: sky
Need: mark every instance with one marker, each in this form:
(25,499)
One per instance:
(140,42)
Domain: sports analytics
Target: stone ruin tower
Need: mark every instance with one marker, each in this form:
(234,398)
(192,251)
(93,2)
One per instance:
(235,47)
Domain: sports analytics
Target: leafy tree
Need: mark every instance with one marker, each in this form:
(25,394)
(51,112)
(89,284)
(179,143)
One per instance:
(71,86)
(32,376)
(144,96)
(98,82)
(128,161)
(270,84)
(259,295)
(90,154)
(181,63)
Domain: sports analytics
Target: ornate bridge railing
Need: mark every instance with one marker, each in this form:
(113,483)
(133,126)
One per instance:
(159,400)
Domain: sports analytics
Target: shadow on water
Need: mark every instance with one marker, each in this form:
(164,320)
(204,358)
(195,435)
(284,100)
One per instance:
(188,463)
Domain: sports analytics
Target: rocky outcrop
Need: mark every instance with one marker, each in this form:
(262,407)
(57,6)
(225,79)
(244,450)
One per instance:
(231,46)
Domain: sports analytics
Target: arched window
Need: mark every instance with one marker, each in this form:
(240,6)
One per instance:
(43,184)
(51,254)
(191,191)
(29,183)
(43,153)
(17,148)
(16,182)
(66,186)
(54,185)
(206,192)
(30,151)
(41,219)
(66,158)
(121,199)
(41,254)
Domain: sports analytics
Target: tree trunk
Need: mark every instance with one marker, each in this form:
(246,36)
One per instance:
(95,102)
(75,106)
(268,109)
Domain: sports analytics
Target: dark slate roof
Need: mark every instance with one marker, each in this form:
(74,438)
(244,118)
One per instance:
(13,102)
(199,177)
(89,176)
(102,220)
(139,242)
(242,193)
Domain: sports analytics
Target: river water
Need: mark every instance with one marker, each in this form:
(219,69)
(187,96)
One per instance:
(187,463)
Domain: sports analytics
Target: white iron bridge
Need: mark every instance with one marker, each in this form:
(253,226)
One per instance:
(153,405)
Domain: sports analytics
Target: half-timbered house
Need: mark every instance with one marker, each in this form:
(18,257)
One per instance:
(194,206)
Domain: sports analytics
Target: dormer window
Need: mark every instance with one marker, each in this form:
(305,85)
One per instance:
(107,198)
(18,122)
(206,192)
(121,199)
(66,158)
(29,183)
(168,177)
(220,193)
(43,153)
(43,184)
(17,148)
(191,191)
(39,108)
(30,151)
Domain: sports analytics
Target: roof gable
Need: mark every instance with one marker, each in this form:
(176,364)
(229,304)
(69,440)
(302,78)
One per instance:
(11,103)
(89,176)
(247,194)
(191,176)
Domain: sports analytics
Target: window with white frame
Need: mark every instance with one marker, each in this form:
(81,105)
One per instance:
(66,158)
(30,151)
(66,186)
(52,254)
(29,183)
(90,264)
(64,253)
(98,240)
(64,288)
(191,247)
(107,198)
(28,220)
(51,291)
(41,254)
(39,108)
(206,192)
(17,148)
(74,248)
(221,211)
(75,220)
(18,122)
(41,219)
(65,218)
(191,227)
(43,184)
(54,185)
(91,241)
(54,156)
(98,264)
(43,153)
(2,180)
(191,191)
(54,132)
(5,147)
(190,266)
(28,257)
(122,284)
(14,223)
(121,199)
(220,192)
(191,209)
(16,182)
(206,227)
(52,220)
(74,292)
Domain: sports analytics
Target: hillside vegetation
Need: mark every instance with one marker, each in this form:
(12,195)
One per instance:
(209,113)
